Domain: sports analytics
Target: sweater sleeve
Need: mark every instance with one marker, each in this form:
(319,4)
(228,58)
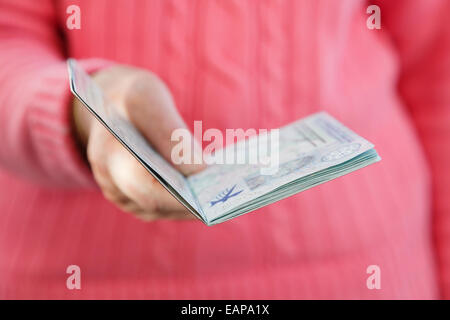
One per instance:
(35,117)
(420,31)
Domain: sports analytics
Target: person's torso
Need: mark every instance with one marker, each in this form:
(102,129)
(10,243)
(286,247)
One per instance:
(243,64)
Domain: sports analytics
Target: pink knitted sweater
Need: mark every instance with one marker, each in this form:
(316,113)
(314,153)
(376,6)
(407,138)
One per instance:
(232,64)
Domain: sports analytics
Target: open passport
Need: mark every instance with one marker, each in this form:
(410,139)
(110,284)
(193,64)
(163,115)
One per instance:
(312,150)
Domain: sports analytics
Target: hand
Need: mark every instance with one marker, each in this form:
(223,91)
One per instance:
(144,99)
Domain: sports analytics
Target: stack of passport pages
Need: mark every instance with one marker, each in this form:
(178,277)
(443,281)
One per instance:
(311,151)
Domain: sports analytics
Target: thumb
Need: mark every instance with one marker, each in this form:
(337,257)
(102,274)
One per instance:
(152,110)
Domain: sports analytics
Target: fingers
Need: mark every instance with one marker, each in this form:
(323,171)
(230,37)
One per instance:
(125,182)
(147,103)
(151,109)
(136,183)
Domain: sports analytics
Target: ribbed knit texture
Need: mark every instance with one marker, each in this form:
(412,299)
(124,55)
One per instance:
(233,64)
